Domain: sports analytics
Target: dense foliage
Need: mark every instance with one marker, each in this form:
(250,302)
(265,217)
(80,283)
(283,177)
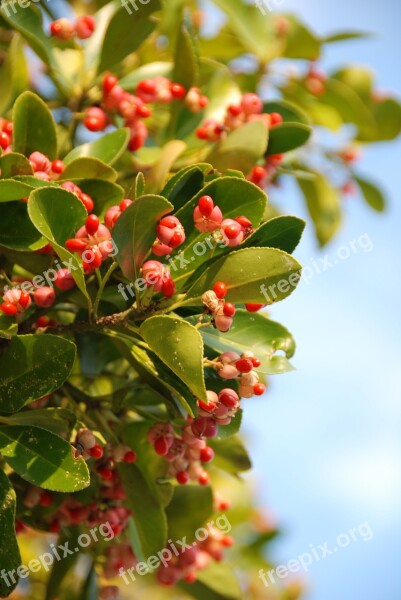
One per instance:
(137,248)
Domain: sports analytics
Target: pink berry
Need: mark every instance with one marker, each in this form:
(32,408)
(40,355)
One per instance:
(251,104)
(85,26)
(44,297)
(64,280)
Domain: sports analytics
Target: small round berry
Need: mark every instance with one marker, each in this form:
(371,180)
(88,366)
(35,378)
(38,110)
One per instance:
(255,361)
(130,457)
(207,454)
(8,309)
(146,86)
(62,29)
(106,473)
(244,365)
(182,477)
(44,297)
(109,81)
(244,222)
(96,451)
(85,26)
(75,245)
(5,141)
(42,321)
(190,578)
(234,110)
(57,166)
(87,202)
(206,205)
(178,91)
(124,204)
(231,231)
(64,280)
(275,119)
(208,407)
(40,162)
(229,398)
(251,307)
(259,389)
(220,289)
(46,499)
(229,309)
(203,478)
(161,446)
(95,119)
(92,224)
(168,288)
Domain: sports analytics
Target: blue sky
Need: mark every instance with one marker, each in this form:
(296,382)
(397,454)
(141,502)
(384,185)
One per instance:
(326,441)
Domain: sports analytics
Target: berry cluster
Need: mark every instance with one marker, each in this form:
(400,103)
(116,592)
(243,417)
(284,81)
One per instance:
(209,218)
(114,212)
(64,29)
(262,175)
(86,200)
(231,365)
(222,312)
(170,234)
(249,109)
(6,132)
(92,242)
(185,452)
(158,276)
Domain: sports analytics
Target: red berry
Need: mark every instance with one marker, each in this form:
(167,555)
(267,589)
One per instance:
(220,289)
(91,260)
(258,174)
(229,309)
(182,477)
(161,446)
(92,224)
(207,454)
(85,26)
(109,81)
(229,398)
(9,309)
(130,457)
(178,91)
(87,202)
(4,140)
(75,245)
(8,127)
(259,389)
(46,499)
(168,288)
(208,407)
(57,166)
(244,222)
(203,478)
(24,299)
(234,110)
(206,206)
(42,321)
(55,527)
(143,111)
(190,578)
(125,203)
(232,231)
(250,307)
(147,86)
(275,119)
(96,451)
(244,365)
(106,474)
(255,361)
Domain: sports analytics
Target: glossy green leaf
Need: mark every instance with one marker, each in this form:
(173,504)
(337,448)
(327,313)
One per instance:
(10,558)
(14,76)
(301,42)
(186,61)
(371,193)
(16,229)
(107,148)
(43,458)
(265,337)
(57,420)
(181,351)
(31,367)
(10,189)
(283,233)
(8,327)
(323,203)
(185,184)
(287,136)
(290,112)
(241,149)
(135,232)
(230,454)
(190,509)
(346,35)
(259,275)
(147,512)
(14,164)
(157,176)
(57,215)
(126,32)
(34,128)
(216,582)
(87,167)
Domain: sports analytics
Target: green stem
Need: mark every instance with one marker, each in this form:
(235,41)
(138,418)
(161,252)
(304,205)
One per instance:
(102,284)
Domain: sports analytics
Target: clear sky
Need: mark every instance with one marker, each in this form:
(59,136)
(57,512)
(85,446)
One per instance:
(326,440)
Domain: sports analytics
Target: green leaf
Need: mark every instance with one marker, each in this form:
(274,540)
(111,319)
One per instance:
(259,275)
(282,232)
(216,582)
(60,568)
(57,420)
(43,458)
(146,71)
(323,204)
(107,148)
(290,112)
(57,215)
(10,558)
(301,42)
(14,76)
(371,193)
(147,512)
(287,136)
(10,190)
(8,327)
(387,114)
(346,35)
(14,164)
(226,431)
(126,32)
(255,331)
(87,167)
(185,184)
(16,229)
(135,232)
(31,367)
(186,68)
(34,127)
(158,174)
(181,350)
(231,454)
(190,508)
(241,149)
(103,193)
